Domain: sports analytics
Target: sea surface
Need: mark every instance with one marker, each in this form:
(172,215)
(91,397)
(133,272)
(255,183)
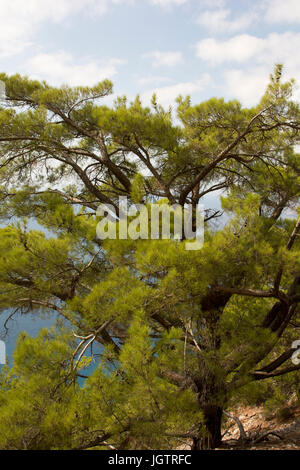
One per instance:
(31,323)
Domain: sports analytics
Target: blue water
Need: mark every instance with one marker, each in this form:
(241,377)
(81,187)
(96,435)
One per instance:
(32,324)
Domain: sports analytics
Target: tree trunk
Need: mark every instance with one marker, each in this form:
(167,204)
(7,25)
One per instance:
(212,421)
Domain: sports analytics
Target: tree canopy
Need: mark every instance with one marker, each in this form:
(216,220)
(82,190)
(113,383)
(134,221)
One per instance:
(182,334)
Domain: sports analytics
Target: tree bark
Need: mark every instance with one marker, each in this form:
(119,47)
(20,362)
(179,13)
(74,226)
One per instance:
(212,422)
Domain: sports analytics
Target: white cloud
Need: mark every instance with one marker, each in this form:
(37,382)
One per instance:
(247,85)
(167,95)
(20,19)
(281,11)
(168,59)
(238,48)
(218,21)
(256,58)
(275,47)
(60,67)
(168,3)
(212,3)
(154,79)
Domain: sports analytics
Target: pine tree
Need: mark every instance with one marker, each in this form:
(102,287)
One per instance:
(182,334)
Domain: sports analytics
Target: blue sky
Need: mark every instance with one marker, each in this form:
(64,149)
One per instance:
(197,47)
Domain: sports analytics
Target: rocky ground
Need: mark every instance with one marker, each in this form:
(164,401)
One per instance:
(263,432)
(260,431)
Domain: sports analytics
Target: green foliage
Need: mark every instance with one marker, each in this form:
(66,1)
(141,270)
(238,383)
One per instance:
(39,396)
(137,188)
(178,333)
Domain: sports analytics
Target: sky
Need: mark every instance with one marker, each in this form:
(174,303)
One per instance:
(203,48)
